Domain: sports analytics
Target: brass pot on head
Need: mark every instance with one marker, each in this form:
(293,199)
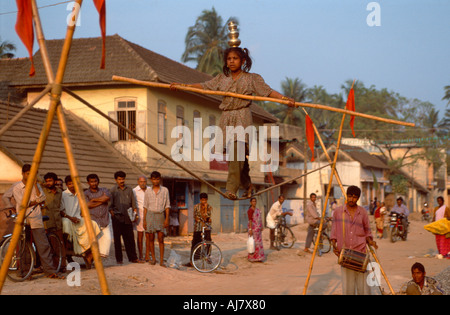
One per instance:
(233,35)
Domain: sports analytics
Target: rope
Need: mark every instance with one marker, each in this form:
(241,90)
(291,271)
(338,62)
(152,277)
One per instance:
(170,159)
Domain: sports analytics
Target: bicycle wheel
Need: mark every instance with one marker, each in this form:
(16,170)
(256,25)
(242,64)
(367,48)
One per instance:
(324,244)
(206,257)
(277,238)
(56,250)
(287,238)
(22,261)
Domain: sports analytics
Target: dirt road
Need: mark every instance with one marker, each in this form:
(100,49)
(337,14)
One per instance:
(283,273)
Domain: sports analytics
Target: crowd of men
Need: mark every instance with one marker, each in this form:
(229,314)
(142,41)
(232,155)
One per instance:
(115,213)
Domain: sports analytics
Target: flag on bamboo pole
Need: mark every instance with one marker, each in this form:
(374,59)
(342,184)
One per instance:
(310,135)
(101,8)
(351,106)
(24,28)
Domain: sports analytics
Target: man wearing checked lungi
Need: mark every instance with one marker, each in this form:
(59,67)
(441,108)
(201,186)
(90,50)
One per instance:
(351,230)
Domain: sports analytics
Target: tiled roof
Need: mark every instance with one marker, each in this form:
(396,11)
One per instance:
(365,158)
(123,58)
(92,153)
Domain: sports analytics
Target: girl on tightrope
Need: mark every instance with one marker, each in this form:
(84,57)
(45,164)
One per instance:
(236,78)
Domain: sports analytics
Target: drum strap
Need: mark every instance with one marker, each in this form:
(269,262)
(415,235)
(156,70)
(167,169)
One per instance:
(343,227)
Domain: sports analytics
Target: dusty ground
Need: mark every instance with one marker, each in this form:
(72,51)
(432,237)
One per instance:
(283,273)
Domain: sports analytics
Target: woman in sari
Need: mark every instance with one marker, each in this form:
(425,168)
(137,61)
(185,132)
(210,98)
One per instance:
(442,243)
(255,227)
(379,218)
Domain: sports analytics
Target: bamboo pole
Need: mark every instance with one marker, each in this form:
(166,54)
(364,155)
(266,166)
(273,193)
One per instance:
(70,158)
(338,179)
(319,233)
(24,110)
(54,105)
(82,200)
(322,218)
(381,269)
(26,196)
(289,180)
(258,98)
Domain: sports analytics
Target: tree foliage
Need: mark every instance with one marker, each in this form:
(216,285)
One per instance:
(206,41)
(6,49)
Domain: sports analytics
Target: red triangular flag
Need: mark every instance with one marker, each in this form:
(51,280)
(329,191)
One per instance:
(24,28)
(351,106)
(310,135)
(101,8)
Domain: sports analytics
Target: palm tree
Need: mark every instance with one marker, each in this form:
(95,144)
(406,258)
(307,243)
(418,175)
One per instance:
(6,49)
(296,89)
(206,41)
(447,94)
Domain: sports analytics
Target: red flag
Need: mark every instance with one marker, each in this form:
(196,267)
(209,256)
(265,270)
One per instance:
(351,106)
(310,135)
(24,28)
(101,8)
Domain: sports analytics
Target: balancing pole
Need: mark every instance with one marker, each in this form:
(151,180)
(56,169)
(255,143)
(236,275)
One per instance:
(258,98)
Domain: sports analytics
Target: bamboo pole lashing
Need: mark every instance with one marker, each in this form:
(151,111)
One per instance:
(258,98)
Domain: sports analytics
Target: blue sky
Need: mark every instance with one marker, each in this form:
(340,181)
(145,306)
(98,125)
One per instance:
(322,42)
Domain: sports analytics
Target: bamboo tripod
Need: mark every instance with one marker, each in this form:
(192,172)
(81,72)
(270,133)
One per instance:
(322,218)
(55,89)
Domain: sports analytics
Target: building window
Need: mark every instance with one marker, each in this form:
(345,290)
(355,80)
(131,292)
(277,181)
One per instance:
(197,131)
(126,115)
(162,121)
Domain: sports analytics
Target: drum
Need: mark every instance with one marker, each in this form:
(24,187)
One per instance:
(352,259)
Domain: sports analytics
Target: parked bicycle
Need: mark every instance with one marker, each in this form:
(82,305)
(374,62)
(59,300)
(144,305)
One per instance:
(284,237)
(24,256)
(324,241)
(206,256)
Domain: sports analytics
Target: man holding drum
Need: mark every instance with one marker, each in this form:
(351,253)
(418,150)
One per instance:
(350,232)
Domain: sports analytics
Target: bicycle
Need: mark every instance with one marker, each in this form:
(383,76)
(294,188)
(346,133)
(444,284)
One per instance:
(324,242)
(24,257)
(206,256)
(284,237)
